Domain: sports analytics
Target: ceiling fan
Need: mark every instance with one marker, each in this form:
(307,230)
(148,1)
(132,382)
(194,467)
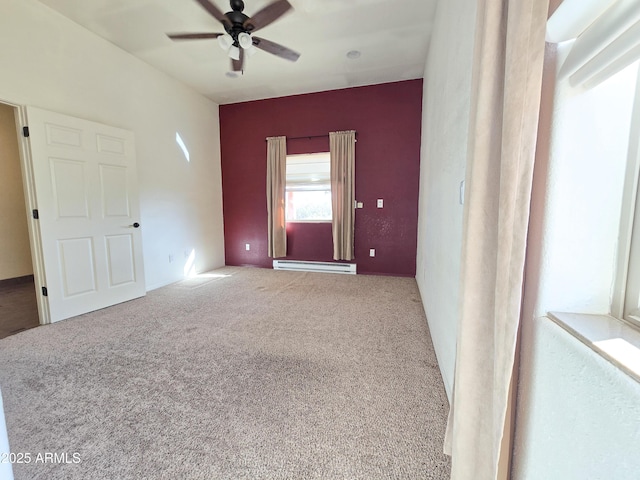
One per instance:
(239,39)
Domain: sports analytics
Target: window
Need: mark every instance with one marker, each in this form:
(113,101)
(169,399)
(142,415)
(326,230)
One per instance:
(308,188)
(629,247)
(592,197)
(585,233)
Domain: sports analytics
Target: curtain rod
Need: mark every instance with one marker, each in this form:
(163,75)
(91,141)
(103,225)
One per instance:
(307,136)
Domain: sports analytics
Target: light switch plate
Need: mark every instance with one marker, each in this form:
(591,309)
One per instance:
(372,252)
(359,205)
(247,246)
(380,203)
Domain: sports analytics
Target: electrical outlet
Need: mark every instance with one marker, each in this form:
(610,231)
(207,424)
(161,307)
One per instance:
(380,203)
(247,246)
(372,252)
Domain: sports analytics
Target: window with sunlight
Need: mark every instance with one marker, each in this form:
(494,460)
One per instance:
(309,188)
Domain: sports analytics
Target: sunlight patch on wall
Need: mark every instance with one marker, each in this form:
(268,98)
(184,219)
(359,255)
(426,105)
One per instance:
(183,147)
(189,266)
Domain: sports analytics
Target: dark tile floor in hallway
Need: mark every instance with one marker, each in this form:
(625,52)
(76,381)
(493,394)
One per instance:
(18,308)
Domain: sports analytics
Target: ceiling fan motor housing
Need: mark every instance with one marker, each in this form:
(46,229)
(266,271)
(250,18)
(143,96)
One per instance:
(236,20)
(237,5)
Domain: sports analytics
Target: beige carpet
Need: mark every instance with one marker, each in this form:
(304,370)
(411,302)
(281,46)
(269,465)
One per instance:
(254,374)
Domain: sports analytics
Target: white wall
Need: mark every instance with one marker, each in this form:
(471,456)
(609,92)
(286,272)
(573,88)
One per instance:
(53,63)
(577,415)
(15,254)
(582,413)
(447,92)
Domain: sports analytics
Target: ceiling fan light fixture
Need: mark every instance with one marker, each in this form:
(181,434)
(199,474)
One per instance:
(245,41)
(225,41)
(251,51)
(234,52)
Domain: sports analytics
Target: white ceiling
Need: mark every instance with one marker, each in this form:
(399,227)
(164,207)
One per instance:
(392,36)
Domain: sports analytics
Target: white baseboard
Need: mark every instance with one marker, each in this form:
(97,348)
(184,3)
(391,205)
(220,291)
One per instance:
(324,267)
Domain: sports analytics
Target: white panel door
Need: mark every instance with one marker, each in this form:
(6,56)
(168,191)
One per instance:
(87,200)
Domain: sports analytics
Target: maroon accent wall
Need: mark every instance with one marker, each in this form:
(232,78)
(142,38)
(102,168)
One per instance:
(387,119)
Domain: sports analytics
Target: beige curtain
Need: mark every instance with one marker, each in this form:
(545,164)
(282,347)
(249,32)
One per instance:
(507,75)
(276,186)
(342,147)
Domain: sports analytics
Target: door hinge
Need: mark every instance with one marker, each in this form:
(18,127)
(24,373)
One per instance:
(35,213)
(45,293)
(25,131)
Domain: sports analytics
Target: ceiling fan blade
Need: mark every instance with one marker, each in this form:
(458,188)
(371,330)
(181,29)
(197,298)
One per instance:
(214,11)
(276,49)
(267,15)
(237,65)
(193,36)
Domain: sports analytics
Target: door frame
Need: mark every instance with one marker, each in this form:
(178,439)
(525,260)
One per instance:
(28,185)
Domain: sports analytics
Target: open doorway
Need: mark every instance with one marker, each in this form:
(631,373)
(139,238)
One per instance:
(18,304)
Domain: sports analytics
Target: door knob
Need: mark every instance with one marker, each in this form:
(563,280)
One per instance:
(135,225)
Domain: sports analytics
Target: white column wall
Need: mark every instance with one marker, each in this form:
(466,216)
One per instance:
(445,125)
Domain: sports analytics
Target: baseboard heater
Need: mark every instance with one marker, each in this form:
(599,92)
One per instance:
(327,267)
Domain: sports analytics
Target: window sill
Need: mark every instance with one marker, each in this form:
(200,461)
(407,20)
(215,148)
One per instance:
(308,221)
(613,339)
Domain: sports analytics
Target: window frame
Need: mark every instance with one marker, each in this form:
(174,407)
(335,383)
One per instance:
(625,301)
(324,189)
